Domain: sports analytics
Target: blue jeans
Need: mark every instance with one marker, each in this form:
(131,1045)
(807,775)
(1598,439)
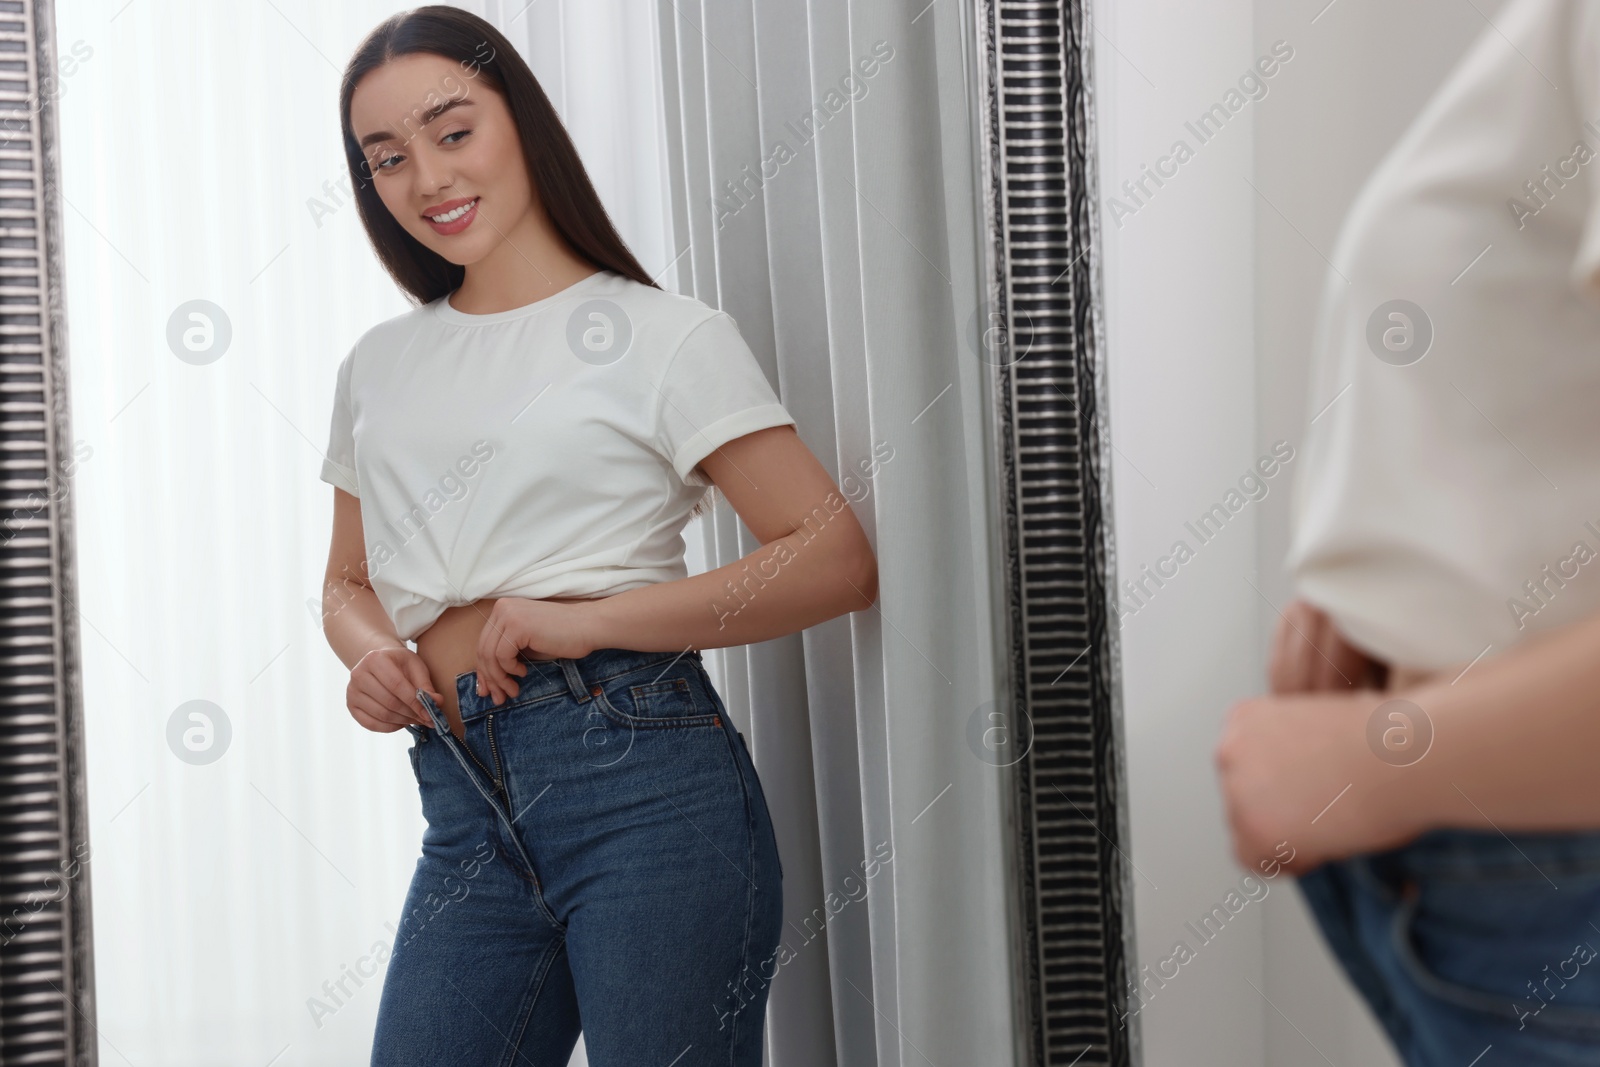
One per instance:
(598,856)
(1469,944)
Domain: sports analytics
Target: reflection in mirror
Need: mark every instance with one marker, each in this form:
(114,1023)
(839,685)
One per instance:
(626,690)
(1352,305)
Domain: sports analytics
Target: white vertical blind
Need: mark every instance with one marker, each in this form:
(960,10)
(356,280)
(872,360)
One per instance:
(237,902)
(822,164)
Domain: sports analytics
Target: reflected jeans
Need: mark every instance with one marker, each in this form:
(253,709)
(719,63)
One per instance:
(1472,948)
(598,856)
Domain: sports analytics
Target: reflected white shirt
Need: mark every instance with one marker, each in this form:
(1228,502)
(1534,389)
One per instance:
(1436,496)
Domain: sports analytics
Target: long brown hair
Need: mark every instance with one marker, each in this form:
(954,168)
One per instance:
(557,173)
(559,179)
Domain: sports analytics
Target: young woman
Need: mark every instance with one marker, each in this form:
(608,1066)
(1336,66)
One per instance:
(514,462)
(1428,754)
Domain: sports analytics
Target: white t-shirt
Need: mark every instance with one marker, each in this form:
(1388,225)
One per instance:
(1451,506)
(544,451)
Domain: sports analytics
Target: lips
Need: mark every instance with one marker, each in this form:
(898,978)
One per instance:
(447,206)
(455,225)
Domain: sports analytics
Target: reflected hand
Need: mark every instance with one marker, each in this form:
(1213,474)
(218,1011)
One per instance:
(1284,763)
(382,694)
(545,628)
(1310,655)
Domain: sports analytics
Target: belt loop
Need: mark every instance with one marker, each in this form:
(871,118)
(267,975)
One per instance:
(575,683)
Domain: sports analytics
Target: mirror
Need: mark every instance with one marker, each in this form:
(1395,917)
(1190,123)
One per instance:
(827,179)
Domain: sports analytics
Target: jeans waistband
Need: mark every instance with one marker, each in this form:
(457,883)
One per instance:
(573,677)
(1477,854)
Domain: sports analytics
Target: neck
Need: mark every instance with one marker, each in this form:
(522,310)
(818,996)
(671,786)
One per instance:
(531,262)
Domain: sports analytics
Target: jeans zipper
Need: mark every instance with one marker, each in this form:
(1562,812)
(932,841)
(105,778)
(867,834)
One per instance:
(494,754)
(494,778)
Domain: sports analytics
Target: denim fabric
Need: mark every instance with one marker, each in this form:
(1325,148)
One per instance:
(598,855)
(1472,948)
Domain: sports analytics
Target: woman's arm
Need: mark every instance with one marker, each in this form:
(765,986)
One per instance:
(353,620)
(384,673)
(1516,740)
(1513,743)
(814,562)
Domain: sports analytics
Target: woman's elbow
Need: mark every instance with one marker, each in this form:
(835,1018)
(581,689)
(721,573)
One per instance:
(864,580)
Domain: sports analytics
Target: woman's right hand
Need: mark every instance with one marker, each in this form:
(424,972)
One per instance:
(382,694)
(1309,654)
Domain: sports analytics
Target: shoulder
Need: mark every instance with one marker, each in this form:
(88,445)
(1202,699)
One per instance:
(661,317)
(382,339)
(679,337)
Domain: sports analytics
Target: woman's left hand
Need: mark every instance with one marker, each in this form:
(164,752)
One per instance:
(1299,768)
(546,629)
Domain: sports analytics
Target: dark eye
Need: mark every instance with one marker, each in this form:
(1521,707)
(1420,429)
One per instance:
(384,164)
(458,133)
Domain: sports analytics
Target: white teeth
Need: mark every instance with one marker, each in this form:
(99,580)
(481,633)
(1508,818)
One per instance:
(451,216)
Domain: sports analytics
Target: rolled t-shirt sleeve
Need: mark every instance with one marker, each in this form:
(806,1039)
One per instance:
(339,462)
(712,391)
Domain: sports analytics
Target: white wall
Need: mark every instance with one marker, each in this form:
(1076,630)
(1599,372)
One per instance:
(1211,285)
(1179,323)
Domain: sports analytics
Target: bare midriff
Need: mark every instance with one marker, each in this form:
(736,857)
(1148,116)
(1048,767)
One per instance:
(450,647)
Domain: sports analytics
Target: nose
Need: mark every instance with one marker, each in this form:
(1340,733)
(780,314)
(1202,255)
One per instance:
(430,175)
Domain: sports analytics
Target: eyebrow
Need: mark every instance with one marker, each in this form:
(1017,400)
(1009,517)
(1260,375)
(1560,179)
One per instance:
(427,117)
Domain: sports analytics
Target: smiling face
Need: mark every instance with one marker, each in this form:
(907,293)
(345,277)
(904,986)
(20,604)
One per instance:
(439,142)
